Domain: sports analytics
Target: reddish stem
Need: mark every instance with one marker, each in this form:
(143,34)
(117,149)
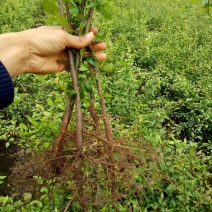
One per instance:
(64,127)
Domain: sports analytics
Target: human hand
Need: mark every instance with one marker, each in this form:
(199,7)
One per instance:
(39,50)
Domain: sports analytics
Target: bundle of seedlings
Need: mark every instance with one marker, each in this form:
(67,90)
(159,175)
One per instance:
(87,160)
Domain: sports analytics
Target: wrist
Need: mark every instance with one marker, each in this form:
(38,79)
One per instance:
(13,53)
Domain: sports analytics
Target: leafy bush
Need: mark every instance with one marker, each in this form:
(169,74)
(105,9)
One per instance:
(157,86)
(20,15)
(160,64)
(16,16)
(173,176)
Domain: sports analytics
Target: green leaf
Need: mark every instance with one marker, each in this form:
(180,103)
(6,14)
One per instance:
(17,100)
(49,102)
(22,126)
(82,93)
(74,10)
(93,4)
(36,202)
(7,144)
(44,189)
(69,1)
(49,6)
(46,145)
(88,86)
(5,200)
(107,96)
(32,121)
(62,20)
(84,67)
(194,1)
(52,125)
(105,11)
(91,61)
(204,2)
(51,19)
(59,98)
(170,188)
(71,92)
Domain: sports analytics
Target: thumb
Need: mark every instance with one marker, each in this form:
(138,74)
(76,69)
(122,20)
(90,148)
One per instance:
(78,42)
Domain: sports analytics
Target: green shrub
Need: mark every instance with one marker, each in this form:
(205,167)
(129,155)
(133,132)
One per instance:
(160,58)
(20,15)
(157,86)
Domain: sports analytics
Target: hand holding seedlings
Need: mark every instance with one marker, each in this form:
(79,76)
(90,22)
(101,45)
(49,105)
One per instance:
(41,50)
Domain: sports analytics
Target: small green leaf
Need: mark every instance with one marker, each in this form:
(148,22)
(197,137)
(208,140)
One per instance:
(52,125)
(22,126)
(44,189)
(74,11)
(46,145)
(32,121)
(88,86)
(51,19)
(71,92)
(91,61)
(49,6)
(93,4)
(82,93)
(204,2)
(107,96)
(84,67)
(170,188)
(17,100)
(49,102)
(62,20)
(105,11)
(7,144)
(36,202)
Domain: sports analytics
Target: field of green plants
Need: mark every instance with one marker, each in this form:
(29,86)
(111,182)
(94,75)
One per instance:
(157,85)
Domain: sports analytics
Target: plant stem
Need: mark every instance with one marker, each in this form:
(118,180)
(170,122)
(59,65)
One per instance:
(93,113)
(78,143)
(70,26)
(68,110)
(60,6)
(78,103)
(105,118)
(79,122)
(64,126)
(75,87)
(108,137)
(89,19)
(103,108)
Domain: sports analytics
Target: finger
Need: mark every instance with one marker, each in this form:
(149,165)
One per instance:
(77,42)
(62,61)
(94,30)
(98,46)
(63,55)
(100,56)
(47,65)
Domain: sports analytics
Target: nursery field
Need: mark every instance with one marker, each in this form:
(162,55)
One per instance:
(155,155)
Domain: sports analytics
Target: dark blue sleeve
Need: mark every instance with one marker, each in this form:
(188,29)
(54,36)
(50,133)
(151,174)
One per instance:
(6,87)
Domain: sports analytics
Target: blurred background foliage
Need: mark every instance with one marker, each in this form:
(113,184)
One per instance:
(157,84)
